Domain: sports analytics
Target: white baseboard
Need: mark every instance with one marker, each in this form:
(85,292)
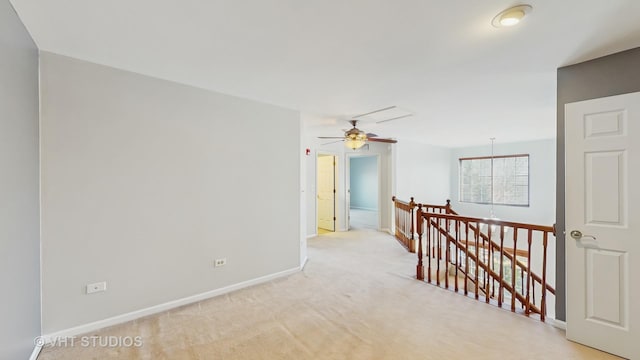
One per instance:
(311,236)
(119,319)
(387,231)
(364,208)
(36,352)
(559,324)
(304,262)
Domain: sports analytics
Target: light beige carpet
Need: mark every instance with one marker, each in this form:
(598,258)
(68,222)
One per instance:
(356,299)
(363,219)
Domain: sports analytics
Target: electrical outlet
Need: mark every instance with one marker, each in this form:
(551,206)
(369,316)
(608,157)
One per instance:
(220,262)
(97,287)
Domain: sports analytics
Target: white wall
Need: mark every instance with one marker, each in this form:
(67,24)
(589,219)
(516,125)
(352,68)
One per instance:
(309,169)
(542,182)
(423,171)
(19,188)
(363,182)
(303,216)
(145,182)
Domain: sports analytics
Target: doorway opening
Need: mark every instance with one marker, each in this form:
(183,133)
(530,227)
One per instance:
(326,193)
(364,192)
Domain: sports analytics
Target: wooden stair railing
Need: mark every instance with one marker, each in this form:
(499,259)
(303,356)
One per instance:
(404,223)
(448,232)
(404,220)
(508,253)
(481,266)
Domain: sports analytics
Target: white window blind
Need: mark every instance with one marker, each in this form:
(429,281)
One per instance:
(502,180)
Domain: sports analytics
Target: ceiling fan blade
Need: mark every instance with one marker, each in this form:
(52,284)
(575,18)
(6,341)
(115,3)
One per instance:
(332,142)
(375,111)
(395,118)
(331,137)
(370,135)
(383,140)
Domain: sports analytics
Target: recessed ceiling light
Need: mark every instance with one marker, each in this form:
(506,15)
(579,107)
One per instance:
(511,16)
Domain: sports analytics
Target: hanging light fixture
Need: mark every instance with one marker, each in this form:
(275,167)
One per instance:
(355,139)
(495,228)
(493,140)
(492,215)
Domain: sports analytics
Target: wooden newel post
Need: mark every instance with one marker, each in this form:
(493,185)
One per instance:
(448,207)
(420,267)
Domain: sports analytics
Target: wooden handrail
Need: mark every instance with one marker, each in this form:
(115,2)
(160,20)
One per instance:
(442,221)
(496,222)
(404,223)
(519,252)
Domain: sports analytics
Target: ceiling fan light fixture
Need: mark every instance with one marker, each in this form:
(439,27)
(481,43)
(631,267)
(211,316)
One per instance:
(511,16)
(355,140)
(354,144)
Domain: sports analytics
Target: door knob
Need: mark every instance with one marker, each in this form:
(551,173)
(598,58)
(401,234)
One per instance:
(577,235)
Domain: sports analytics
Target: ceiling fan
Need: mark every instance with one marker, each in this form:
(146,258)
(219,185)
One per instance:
(355,138)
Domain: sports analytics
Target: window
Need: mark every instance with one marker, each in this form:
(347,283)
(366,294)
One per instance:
(502,180)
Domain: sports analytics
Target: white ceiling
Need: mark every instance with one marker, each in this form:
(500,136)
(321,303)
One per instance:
(442,60)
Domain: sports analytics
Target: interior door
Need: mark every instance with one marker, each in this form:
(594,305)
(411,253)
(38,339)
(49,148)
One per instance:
(603,223)
(326,192)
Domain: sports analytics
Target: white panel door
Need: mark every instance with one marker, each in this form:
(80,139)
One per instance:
(326,192)
(602,194)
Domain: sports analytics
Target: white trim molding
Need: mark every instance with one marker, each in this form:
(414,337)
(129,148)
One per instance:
(304,262)
(119,319)
(312,236)
(36,351)
(364,208)
(559,324)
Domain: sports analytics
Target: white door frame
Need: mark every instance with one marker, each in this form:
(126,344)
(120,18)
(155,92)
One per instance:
(348,186)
